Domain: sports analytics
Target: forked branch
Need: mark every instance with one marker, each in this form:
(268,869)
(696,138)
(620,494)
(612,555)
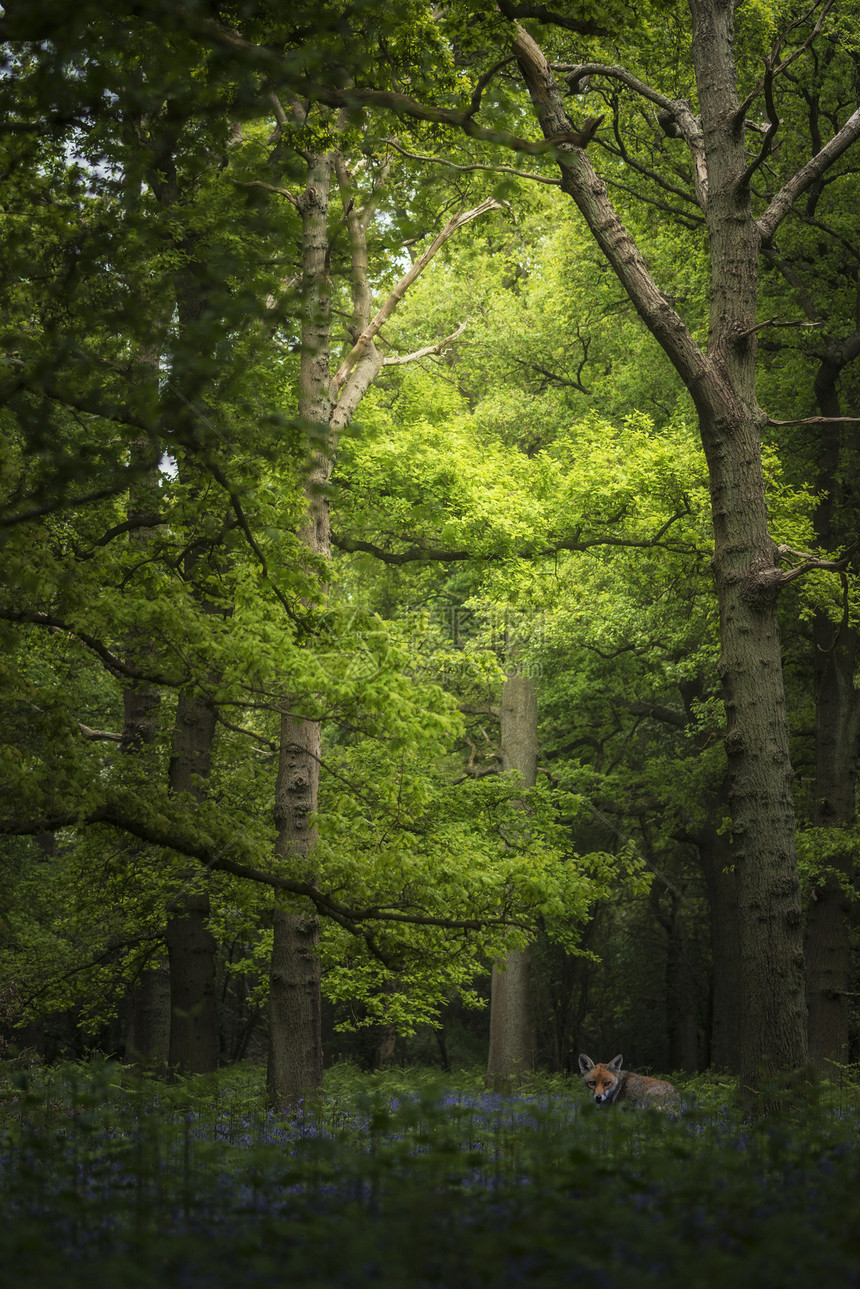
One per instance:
(365,340)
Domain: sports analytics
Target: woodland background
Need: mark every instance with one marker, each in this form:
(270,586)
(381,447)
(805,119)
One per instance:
(358,616)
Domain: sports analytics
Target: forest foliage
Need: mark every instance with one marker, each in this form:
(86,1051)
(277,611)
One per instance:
(520,489)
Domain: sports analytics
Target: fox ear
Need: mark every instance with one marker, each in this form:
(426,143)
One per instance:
(615,1064)
(585,1063)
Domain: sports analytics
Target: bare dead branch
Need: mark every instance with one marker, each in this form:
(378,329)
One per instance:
(427,352)
(96,736)
(258,183)
(777,322)
(815,420)
(810,563)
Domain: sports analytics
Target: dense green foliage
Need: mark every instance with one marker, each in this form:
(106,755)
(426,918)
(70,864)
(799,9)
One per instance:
(520,490)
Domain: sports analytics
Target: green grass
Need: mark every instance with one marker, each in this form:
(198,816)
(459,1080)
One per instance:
(403,1180)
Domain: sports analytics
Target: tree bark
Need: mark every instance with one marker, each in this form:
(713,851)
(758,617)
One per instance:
(295,1065)
(512,1029)
(147,1040)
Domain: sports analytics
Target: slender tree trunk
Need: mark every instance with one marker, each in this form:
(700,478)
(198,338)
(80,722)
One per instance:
(681,1018)
(191,946)
(837,737)
(512,1029)
(295,1004)
(721,880)
(148,1002)
(147,1040)
(326,405)
(828,944)
(295,1064)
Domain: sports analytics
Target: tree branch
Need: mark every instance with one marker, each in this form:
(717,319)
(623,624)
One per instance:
(782,203)
(116,665)
(584,27)
(475,165)
(815,420)
(212,857)
(280,71)
(427,351)
(584,185)
(258,183)
(775,69)
(384,313)
(431,554)
(667,715)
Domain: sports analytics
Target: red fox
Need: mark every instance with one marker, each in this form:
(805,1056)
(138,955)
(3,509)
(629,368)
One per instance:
(609,1083)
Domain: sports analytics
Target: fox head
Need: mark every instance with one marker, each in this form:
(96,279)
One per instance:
(601,1080)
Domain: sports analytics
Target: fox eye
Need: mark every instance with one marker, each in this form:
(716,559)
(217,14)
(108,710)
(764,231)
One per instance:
(592,1083)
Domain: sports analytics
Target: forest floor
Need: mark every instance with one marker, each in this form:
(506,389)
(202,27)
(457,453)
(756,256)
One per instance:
(404,1180)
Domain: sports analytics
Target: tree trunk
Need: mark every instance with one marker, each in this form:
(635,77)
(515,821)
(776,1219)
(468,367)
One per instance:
(295,1003)
(721,880)
(773,1006)
(837,739)
(837,736)
(326,406)
(148,1001)
(512,1029)
(295,1064)
(191,946)
(147,1040)
(681,1018)
(722,385)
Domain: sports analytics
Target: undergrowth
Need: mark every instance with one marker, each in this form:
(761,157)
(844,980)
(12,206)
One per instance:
(402,1180)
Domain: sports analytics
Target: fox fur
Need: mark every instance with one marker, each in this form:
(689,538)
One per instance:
(609,1084)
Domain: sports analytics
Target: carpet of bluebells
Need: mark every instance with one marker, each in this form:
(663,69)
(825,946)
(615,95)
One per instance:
(399,1181)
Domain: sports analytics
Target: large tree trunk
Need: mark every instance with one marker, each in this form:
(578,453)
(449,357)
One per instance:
(512,1028)
(773,1006)
(722,385)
